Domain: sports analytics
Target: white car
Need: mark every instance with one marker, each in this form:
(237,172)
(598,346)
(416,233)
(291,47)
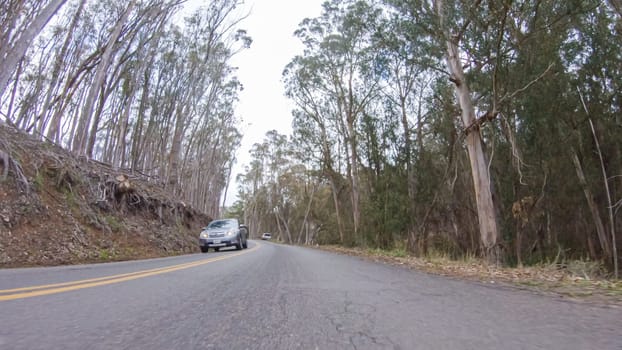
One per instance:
(266,236)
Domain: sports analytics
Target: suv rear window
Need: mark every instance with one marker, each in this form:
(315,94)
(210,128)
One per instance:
(222,224)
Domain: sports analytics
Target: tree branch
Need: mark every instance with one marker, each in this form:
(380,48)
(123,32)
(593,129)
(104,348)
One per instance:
(488,116)
(538,78)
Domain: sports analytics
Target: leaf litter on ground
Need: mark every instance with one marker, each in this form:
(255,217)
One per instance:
(551,279)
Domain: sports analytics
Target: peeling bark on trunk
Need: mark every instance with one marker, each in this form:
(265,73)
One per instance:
(486,213)
(354,175)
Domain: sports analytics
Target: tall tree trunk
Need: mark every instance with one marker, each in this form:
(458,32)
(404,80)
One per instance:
(306,217)
(285,224)
(175,154)
(335,191)
(58,64)
(612,226)
(354,177)
(12,53)
(598,222)
(410,174)
(81,137)
(486,213)
(64,98)
(14,92)
(122,126)
(137,135)
(230,164)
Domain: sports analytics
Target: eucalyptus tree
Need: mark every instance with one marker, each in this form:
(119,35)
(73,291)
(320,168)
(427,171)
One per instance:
(338,56)
(543,48)
(140,40)
(317,141)
(81,136)
(590,127)
(61,56)
(504,59)
(266,196)
(277,165)
(133,84)
(77,41)
(406,56)
(210,146)
(21,22)
(213,33)
(278,191)
(497,66)
(71,69)
(252,191)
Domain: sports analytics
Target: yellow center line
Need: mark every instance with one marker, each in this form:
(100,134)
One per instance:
(27,292)
(46,286)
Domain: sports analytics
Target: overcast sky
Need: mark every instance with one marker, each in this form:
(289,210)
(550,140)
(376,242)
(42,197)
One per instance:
(262,105)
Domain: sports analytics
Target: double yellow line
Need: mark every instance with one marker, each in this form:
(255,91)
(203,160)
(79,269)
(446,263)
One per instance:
(33,291)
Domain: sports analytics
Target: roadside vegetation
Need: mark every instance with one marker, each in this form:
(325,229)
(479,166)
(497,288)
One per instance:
(487,129)
(117,126)
(59,208)
(445,133)
(579,280)
(140,85)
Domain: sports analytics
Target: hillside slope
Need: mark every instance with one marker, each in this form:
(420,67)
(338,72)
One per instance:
(56,208)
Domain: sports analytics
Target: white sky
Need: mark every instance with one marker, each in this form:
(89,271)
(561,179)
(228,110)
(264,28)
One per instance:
(263,105)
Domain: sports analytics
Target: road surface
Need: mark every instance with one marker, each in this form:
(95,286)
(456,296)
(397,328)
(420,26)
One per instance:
(280,297)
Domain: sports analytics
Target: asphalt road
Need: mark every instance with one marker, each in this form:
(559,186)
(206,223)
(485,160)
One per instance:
(280,297)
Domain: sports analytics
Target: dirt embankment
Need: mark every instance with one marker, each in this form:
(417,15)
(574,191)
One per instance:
(56,208)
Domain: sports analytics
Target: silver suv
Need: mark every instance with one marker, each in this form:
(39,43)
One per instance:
(223,233)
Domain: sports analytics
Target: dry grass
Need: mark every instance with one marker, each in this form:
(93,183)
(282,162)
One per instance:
(578,280)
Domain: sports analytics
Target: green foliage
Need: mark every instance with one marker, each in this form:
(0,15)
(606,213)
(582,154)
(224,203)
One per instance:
(235,211)
(39,181)
(70,197)
(539,74)
(106,254)
(114,223)
(394,253)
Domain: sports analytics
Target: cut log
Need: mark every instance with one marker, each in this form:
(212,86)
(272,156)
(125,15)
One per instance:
(123,185)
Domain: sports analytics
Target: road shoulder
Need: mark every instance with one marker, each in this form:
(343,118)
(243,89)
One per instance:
(551,280)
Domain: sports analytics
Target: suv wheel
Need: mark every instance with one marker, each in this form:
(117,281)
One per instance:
(204,249)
